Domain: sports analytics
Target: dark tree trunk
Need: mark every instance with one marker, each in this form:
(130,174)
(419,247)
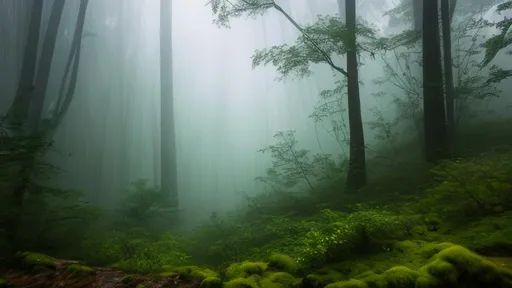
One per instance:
(72,64)
(169,171)
(36,100)
(436,144)
(356,177)
(44,65)
(20,107)
(446,15)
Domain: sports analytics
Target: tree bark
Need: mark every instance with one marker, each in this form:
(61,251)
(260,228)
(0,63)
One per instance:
(446,15)
(356,177)
(436,144)
(72,64)
(169,171)
(44,65)
(21,105)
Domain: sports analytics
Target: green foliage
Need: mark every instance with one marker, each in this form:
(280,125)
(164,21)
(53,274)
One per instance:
(473,186)
(318,42)
(135,251)
(290,164)
(399,54)
(501,41)
(143,206)
(225,10)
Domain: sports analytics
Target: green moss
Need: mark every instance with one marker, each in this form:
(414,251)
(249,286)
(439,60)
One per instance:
(3,283)
(442,270)
(373,280)
(31,260)
(352,283)
(245,269)
(126,279)
(474,268)
(80,269)
(140,285)
(284,279)
(283,263)
(401,277)
(190,273)
(211,282)
(241,283)
(426,281)
(322,278)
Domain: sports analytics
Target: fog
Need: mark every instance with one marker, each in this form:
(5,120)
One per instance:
(225,110)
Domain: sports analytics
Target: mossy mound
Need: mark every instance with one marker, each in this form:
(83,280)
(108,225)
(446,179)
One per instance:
(245,269)
(80,269)
(190,273)
(211,282)
(448,265)
(268,280)
(31,260)
(281,262)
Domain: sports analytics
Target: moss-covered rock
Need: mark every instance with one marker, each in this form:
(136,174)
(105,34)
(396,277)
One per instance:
(284,279)
(401,277)
(190,273)
(322,278)
(373,280)
(352,283)
(211,282)
(283,262)
(80,269)
(245,269)
(33,260)
(470,267)
(242,283)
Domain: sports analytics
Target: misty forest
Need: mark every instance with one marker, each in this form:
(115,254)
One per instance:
(256,143)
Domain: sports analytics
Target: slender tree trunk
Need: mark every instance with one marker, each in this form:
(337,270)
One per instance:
(446,15)
(44,65)
(72,65)
(36,102)
(169,171)
(356,177)
(21,103)
(436,144)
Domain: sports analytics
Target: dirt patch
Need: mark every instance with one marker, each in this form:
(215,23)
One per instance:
(102,277)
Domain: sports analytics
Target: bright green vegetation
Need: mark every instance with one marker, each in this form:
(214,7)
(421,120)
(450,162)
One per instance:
(33,260)
(80,269)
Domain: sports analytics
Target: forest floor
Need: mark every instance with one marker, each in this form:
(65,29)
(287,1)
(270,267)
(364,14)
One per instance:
(100,277)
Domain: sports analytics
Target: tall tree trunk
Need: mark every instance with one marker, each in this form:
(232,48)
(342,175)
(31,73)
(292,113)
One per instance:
(44,65)
(36,101)
(356,177)
(20,107)
(168,166)
(73,63)
(446,15)
(436,144)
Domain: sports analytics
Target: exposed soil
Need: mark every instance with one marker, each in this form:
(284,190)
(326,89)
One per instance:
(103,277)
